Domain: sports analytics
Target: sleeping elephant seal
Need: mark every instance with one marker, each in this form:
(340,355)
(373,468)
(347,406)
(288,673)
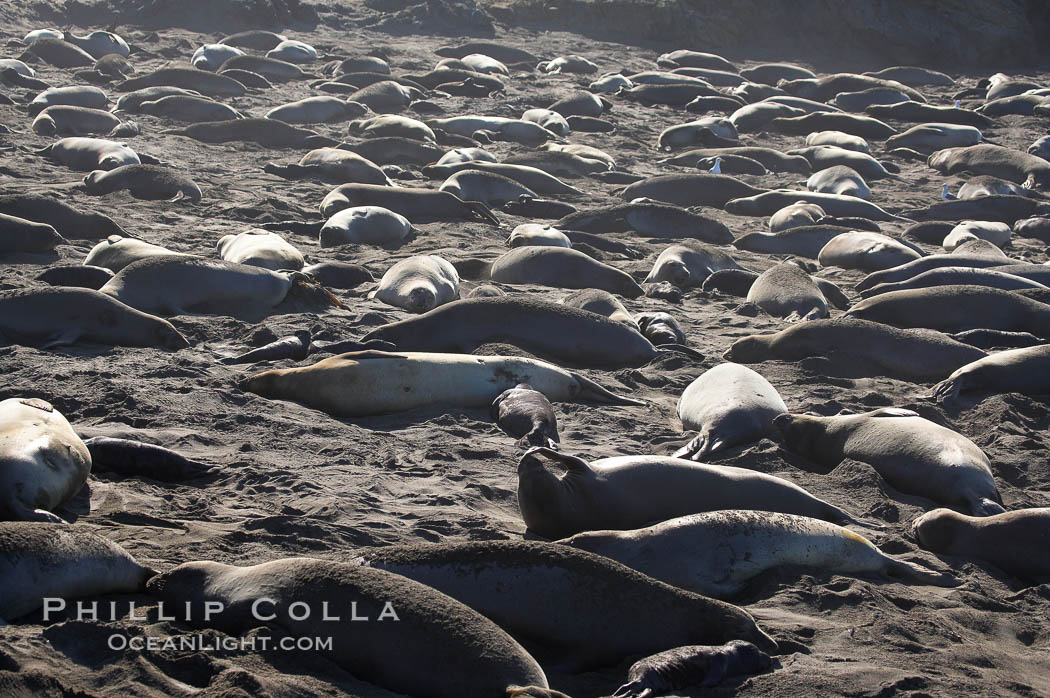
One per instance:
(1014,541)
(691,665)
(43,462)
(839,179)
(688,264)
(414,204)
(260,248)
(601,302)
(914,455)
(866,251)
(795,215)
(1025,371)
(87,154)
(116,252)
(581,609)
(20,235)
(444,638)
(149,182)
(627,492)
(364,225)
(561,267)
(418,284)
(57,561)
(786,291)
(77,275)
(729,405)
(527,415)
(994,160)
(361,384)
(716,553)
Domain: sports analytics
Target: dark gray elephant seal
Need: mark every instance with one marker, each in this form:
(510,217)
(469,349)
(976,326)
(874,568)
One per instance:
(1014,541)
(43,462)
(994,160)
(207,84)
(77,275)
(339,274)
(803,241)
(561,267)
(628,492)
(60,53)
(786,291)
(908,354)
(914,455)
(58,561)
(441,635)
(149,182)
(1025,370)
(661,328)
(19,235)
(189,108)
(136,458)
(266,132)
(728,405)
(528,415)
(573,604)
(691,665)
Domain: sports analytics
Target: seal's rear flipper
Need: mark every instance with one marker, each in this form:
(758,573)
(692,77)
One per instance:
(914,573)
(589,390)
(986,507)
(945,390)
(681,349)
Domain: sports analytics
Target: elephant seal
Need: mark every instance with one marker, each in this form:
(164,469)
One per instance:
(994,160)
(957,308)
(75,96)
(527,415)
(418,284)
(361,384)
(210,57)
(490,188)
(865,251)
(1006,209)
(839,179)
(550,120)
(795,215)
(601,302)
(858,101)
(413,204)
(1012,541)
(201,81)
(728,405)
(269,68)
(296,346)
(151,182)
(880,349)
(392,125)
(260,248)
(821,157)
(627,492)
(87,154)
(689,264)
(772,160)
(334,166)
(568,64)
(189,108)
(135,458)
(923,264)
(786,291)
(72,120)
(20,235)
(293,51)
(914,455)
(768,203)
(691,189)
(257,39)
(926,138)
(853,124)
(116,252)
(561,267)
(532,178)
(339,274)
(315,110)
(827,86)
(131,101)
(496,127)
(661,329)
(501,52)
(43,462)
(270,133)
(57,561)
(77,275)
(981,186)
(691,665)
(100,43)
(996,233)
(364,225)
(57,316)
(440,634)
(802,241)
(958,276)
(716,553)
(649,219)
(928,113)
(59,53)
(1023,370)
(508,581)
(839,140)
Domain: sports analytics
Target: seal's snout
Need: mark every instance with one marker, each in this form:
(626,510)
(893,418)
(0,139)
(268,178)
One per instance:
(782,422)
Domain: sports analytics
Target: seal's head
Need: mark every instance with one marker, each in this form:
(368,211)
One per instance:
(747,350)
(421,299)
(935,530)
(546,500)
(801,434)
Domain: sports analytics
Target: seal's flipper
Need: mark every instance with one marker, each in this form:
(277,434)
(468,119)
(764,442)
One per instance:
(695,449)
(914,573)
(589,390)
(680,349)
(946,390)
(23,513)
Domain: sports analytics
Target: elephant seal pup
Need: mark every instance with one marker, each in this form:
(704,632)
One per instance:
(661,329)
(716,553)
(270,133)
(839,179)
(393,126)
(527,415)
(364,225)
(795,215)
(260,248)
(296,346)
(908,354)
(76,275)
(691,665)
(958,276)
(509,581)
(689,264)
(269,68)
(339,274)
(650,219)
(414,204)
(994,160)
(76,96)
(768,203)
(87,154)
(210,57)
(1025,371)
(537,235)
(135,458)
(57,561)
(865,251)
(20,235)
(996,233)
(561,267)
(601,302)
(201,81)
(43,462)
(418,284)
(190,108)
(786,291)
(334,166)
(914,455)
(116,252)
(691,189)
(627,492)
(471,654)
(957,308)
(151,182)
(564,334)
(825,156)
(1014,541)
(366,383)
(316,110)
(57,316)
(74,121)
(100,43)
(131,101)
(729,405)
(802,241)
(489,188)
(532,178)
(550,120)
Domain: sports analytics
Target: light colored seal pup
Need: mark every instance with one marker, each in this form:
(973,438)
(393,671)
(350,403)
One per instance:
(839,179)
(210,57)
(74,121)
(842,140)
(914,455)
(1014,541)
(550,120)
(76,96)
(628,492)
(998,234)
(116,252)
(716,553)
(43,462)
(489,188)
(364,225)
(786,291)
(293,51)
(537,234)
(360,384)
(150,182)
(63,315)
(57,561)
(866,251)
(418,284)
(687,264)
(87,154)
(316,110)
(527,415)
(100,43)
(795,215)
(728,405)
(1025,371)
(926,138)
(575,605)
(561,267)
(260,248)
(595,300)
(470,654)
